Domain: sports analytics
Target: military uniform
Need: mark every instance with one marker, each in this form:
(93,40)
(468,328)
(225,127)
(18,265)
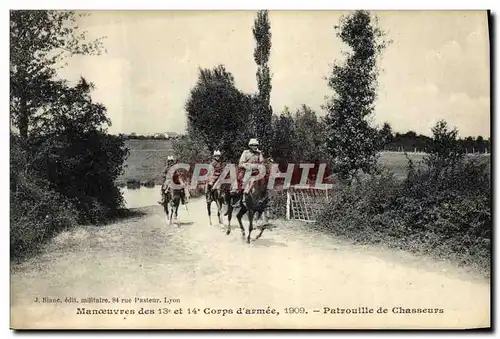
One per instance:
(176,178)
(216,165)
(167,179)
(249,157)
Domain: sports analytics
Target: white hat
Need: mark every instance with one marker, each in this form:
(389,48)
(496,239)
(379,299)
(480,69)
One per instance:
(217,152)
(253,142)
(170,157)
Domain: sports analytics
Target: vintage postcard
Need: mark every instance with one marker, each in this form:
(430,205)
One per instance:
(250,169)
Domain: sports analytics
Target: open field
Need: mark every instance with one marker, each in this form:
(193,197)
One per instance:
(147,158)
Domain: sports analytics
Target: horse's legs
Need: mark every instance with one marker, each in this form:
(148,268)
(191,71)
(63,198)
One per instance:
(165,208)
(209,203)
(174,208)
(171,212)
(166,205)
(229,215)
(219,211)
(259,215)
(250,224)
(177,204)
(240,214)
(260,233)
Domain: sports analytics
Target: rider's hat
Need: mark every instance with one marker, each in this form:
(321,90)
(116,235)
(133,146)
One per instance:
(253,142)
(216,152)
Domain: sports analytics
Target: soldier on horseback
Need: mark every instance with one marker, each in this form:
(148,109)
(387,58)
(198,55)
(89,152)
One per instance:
(216,167)
(176,177)
(165,178)
(249,156)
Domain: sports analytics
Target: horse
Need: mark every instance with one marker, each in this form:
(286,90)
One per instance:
(173,198)
(214,195)
(256,203)
(230,199)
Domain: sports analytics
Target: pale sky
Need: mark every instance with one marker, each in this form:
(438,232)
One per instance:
(436,68)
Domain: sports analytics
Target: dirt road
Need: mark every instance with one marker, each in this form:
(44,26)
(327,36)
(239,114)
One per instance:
(197,268)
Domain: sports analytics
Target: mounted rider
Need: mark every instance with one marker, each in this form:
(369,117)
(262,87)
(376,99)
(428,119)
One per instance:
(216,170)
(249,156)
(175,177)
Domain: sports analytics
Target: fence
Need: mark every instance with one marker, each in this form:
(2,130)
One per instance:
(305,204)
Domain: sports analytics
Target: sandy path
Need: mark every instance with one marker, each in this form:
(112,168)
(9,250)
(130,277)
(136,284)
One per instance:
(197,266)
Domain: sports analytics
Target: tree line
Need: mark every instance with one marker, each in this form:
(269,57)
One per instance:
(134,136)
(411,141)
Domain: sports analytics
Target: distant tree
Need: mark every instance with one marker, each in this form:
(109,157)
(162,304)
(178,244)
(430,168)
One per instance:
(411,135)
(386,136)
(444,150)
(263,112)
(422,142)
(352,142)
(40,41)
(469,143)
(479,144)
(219,113)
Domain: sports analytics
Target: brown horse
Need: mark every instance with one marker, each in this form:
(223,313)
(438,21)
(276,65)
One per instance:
(214,194)
(255,203)
(173,198)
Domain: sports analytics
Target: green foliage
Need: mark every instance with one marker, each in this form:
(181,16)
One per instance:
(261,120)
(191,149)
(386,136)
(36,211)
(218,113)
(284,139)
(40,41)
(83,167)
(64,170)
(448,216)
(442,206)
(352,142)
(444,149)
(72,112)
(311,136)
(299,137)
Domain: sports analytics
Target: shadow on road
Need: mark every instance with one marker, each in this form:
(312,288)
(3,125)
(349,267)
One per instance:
(184,223)
(267,243)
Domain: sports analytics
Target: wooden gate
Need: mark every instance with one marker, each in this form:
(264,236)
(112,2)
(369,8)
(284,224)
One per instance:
(305,204)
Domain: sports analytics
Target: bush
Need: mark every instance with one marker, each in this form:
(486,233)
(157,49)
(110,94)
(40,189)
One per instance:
(82,167)
(60,180)
(36,211)
(277,203)
(448,214)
